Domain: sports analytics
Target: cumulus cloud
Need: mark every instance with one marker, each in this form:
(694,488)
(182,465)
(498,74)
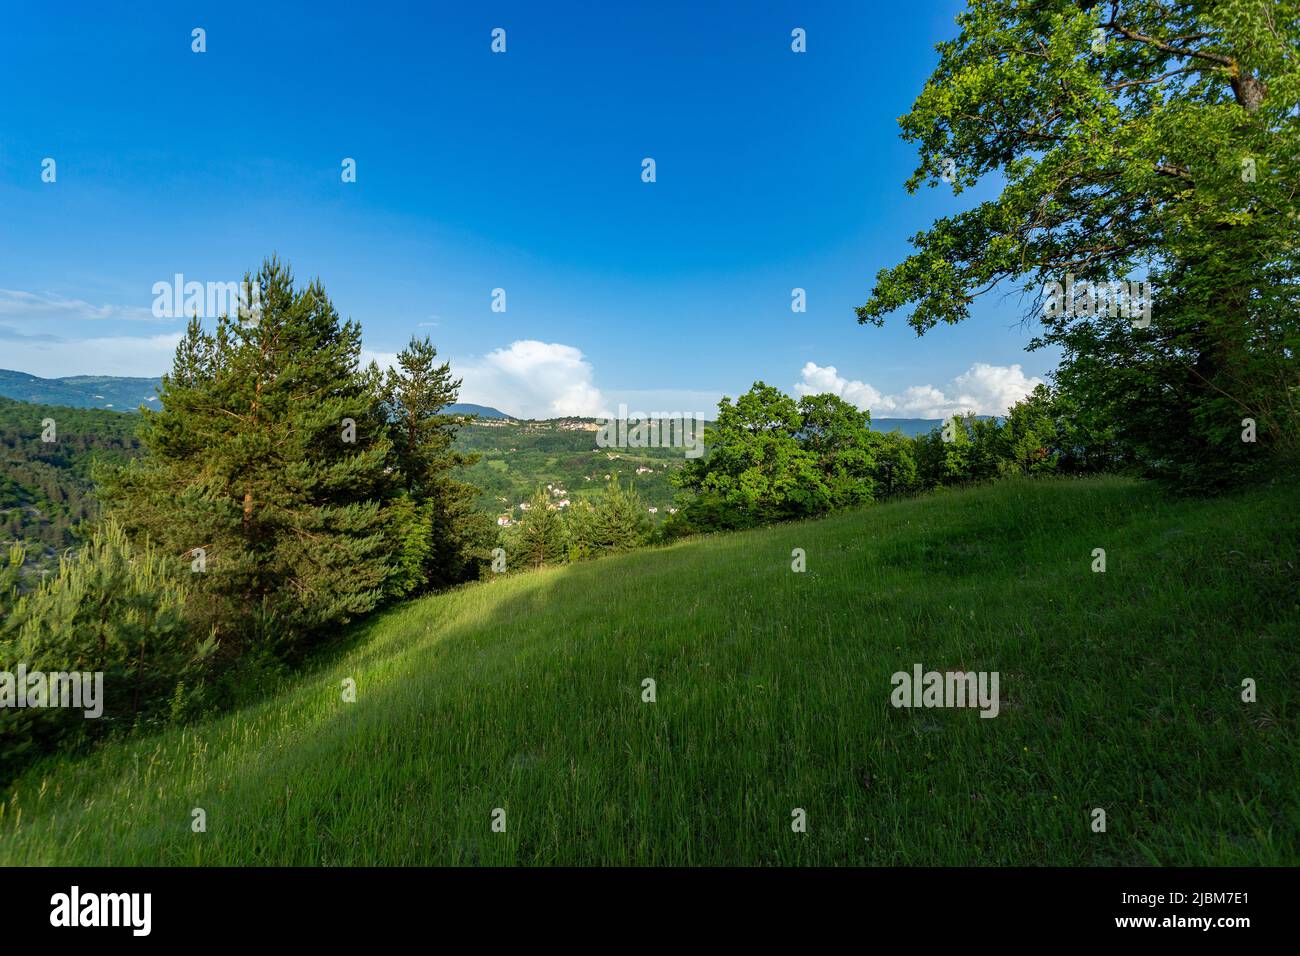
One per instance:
(533,379)
(992,389)
(982,389)
(528,378)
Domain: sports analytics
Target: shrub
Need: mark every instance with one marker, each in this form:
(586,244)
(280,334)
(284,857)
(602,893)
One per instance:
(112,609)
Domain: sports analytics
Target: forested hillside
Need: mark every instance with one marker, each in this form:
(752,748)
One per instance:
(45,486)
(81,391)
(46,489)
(518,457)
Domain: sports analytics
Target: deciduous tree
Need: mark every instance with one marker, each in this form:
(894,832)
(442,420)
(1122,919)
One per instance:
(1142,139)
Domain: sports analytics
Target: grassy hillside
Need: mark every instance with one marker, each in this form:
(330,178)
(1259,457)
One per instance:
(1119,690)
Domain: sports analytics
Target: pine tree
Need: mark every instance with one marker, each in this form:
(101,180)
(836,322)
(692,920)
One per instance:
(540,539)
(113,608)
(581,529)
(621,523)
(415,394)
(11,568)
(268,468)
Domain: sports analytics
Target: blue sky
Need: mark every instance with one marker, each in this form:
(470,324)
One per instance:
(477,171)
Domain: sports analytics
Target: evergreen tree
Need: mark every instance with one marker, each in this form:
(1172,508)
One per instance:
(620,520)
(268,468)
(540,537)
(415,394)
(113,608)
(462,535)
(10,576)
(410,525)
(582,530)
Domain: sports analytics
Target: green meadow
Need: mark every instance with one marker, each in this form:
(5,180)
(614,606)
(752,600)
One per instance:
(1119,690)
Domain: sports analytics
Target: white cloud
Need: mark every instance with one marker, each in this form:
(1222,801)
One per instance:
(385,360)
(982,389)
(129,355)
(819,381)
(38,335)
(44,306)
(992,389)
(532,379)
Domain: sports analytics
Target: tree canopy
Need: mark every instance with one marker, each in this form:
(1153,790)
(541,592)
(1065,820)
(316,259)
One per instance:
(1149,140)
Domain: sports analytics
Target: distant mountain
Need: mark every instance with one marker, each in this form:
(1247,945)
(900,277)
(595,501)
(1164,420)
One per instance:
(911,427)
(127,394)
(482,411)
(81,391)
